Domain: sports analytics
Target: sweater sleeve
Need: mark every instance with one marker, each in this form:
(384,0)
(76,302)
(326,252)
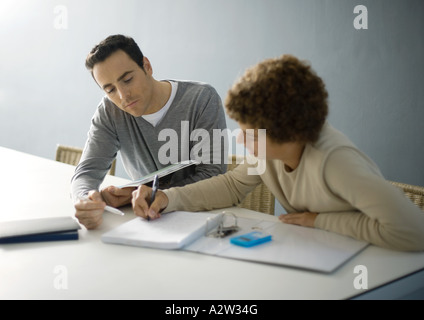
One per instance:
(221,191)
(99,152)
(384,216)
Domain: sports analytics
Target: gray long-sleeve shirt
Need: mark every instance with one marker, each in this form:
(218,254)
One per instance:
(180,135)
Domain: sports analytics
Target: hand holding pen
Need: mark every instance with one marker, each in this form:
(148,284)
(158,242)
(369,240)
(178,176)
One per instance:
(89,210)
(149,202)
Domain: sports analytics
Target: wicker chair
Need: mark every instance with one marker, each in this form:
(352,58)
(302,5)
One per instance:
(260,199)
(72,155)
(415,193)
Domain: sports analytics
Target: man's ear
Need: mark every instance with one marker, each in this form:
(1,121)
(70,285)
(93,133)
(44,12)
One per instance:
(147,66)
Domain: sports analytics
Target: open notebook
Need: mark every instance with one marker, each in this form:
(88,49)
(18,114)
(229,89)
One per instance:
(291,245)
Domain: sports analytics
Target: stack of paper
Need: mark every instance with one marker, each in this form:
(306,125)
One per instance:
(171,231)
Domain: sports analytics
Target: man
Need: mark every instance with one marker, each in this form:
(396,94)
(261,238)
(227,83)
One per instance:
(132,118)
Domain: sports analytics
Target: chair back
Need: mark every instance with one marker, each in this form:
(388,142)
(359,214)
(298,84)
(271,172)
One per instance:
(72,156)
(414,193)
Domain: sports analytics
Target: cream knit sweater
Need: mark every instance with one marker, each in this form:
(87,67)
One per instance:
(334,179)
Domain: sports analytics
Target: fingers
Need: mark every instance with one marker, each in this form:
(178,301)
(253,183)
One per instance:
(89,212)
(305,219)
(290,218)
(160,203)
(117,197)
(141,203)
(120,192)
(95,196)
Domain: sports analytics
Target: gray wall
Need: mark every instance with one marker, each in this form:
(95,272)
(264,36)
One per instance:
(375,77)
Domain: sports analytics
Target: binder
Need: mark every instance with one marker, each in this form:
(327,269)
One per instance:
(291,245)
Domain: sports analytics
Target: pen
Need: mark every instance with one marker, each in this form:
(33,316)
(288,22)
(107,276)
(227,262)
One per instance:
(154,190)
(107,208)
(114,210)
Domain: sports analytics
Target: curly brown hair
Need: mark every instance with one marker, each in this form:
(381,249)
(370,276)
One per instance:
(282,95)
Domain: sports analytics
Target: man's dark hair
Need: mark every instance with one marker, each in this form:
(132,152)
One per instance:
(109,46)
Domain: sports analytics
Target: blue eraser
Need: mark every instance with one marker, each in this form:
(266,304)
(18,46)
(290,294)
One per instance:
(251,239)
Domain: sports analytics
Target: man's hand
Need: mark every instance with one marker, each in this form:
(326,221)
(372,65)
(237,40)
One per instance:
(117,197)
(89,212)
(304,219)
(141,200)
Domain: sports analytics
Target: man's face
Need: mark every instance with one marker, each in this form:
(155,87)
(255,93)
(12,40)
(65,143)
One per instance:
(128,86)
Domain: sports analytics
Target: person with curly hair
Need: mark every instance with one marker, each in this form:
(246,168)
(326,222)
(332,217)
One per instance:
(316,173)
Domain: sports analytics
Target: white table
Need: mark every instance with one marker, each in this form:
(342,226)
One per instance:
(89,269)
